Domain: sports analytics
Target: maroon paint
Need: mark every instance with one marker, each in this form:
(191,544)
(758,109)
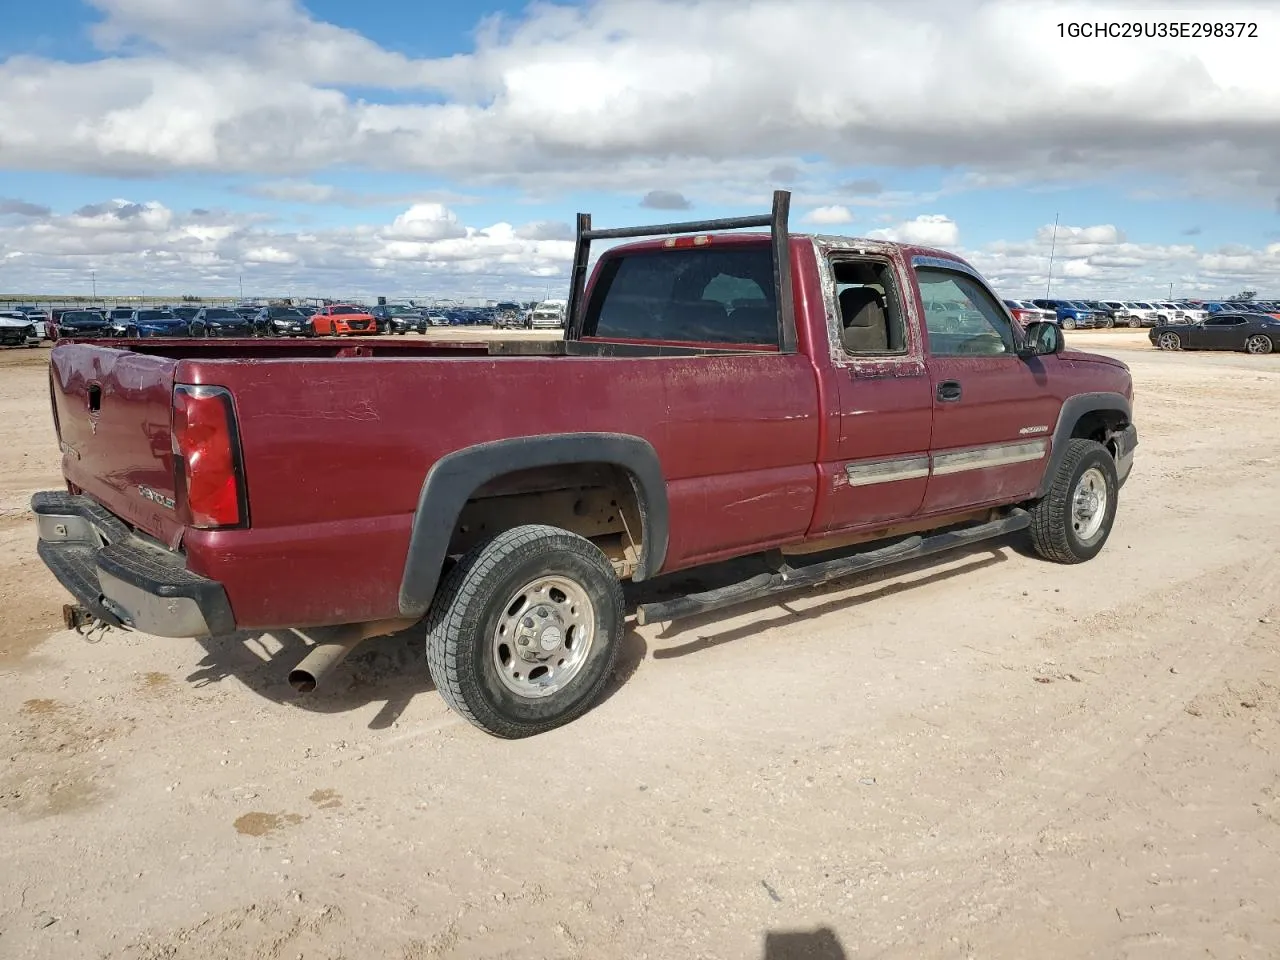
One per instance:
(337,438)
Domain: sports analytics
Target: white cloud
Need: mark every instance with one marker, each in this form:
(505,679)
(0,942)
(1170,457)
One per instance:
(580,93)
(927,230)
(833,214)
(146,247)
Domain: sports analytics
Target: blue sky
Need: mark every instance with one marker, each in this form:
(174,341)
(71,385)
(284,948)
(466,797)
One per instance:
(396,146)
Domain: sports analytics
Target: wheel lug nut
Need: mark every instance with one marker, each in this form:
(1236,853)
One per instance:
(528,622)
(524,641)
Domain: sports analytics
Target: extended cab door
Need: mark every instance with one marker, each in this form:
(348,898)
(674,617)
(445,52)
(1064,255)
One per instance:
(993,411)
(874,465)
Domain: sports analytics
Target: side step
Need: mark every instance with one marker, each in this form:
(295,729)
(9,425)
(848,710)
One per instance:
(789,579)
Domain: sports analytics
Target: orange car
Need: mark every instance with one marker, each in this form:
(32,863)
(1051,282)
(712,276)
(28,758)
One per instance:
(343,319)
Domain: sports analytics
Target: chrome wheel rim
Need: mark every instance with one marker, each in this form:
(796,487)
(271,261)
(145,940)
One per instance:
(543,636)
(1089,504)
(1258,344)
(1169,341)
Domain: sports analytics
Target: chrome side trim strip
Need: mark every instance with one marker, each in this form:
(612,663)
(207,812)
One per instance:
(887,471)
(997,455)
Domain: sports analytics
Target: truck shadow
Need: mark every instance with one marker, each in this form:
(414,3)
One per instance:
(976,557)
(391,670)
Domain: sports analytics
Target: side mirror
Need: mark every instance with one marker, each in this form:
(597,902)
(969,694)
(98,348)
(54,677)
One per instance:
(1042,338)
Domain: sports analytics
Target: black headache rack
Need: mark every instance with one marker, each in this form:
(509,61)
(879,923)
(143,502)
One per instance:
(776,221)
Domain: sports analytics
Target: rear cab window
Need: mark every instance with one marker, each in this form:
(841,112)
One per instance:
(721,296)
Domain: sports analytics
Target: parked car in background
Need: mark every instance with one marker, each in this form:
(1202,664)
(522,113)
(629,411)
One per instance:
(282,322)
(508,314)
(219,322)
(1071,315)
(437,320)
(1256,333)
(155,323)
(1104,315)
(39,318)
(17,330)
(1141,313)
(77,323)
(548,315)
(1192,313)
(1024,311)
(1120,314)
(342,320)
(399,318)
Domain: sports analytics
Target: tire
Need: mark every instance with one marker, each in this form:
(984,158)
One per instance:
(1068,324)
(1059,530)
(197,329)
(1109,323)
(131,332)
(471,616)
(1169,341)
(1135,323)
(1259,344)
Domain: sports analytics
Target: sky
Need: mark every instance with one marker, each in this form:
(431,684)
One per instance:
(401,148)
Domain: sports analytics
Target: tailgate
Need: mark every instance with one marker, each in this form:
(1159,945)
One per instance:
(114,415)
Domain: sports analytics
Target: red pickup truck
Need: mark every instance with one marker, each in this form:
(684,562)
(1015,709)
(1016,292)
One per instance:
(717,394)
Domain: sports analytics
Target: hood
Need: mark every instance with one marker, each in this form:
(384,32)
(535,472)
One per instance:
(1081,356)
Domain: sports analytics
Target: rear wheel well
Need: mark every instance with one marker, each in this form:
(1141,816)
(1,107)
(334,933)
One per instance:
(1101,426)
(598,501)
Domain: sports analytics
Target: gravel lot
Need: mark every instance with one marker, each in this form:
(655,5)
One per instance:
(987,756)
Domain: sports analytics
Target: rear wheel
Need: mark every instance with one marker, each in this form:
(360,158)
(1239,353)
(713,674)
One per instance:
(1258,344)
(1073,521)
(1169,341)
(522,635)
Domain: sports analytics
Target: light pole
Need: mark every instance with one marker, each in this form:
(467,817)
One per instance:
(93,277)
(242,286)
(1053,246)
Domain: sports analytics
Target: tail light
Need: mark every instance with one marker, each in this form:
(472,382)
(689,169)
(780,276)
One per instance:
(206,443)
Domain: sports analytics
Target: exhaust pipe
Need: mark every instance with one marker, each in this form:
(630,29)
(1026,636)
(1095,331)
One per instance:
(332,645)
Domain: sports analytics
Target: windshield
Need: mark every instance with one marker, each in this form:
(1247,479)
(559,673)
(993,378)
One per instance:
(285,313)
(150,315)
(220,314)
(346,308)
(120,314)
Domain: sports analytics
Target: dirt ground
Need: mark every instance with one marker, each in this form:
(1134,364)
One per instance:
(987,756)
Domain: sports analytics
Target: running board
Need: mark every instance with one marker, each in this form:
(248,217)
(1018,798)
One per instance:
(789,579)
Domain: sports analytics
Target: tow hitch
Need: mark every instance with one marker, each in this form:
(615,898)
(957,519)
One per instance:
(84,622)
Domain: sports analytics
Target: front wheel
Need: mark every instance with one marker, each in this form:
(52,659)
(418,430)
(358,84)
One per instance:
(1135,323)
(1169,341)
(1068,324)
(1073,521)
(1258,344)
(522,635)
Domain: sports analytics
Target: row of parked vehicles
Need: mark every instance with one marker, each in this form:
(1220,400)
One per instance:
(1091,314)
(33,324)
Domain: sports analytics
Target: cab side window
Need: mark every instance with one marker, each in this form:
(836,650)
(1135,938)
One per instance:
(870,309)
(961,317)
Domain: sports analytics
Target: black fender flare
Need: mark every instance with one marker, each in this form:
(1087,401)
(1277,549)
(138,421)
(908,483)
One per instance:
(454,477)
(1072,410)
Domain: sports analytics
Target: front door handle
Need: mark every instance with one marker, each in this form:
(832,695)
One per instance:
(949,391)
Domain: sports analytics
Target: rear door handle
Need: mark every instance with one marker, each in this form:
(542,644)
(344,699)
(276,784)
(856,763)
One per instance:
(949,391)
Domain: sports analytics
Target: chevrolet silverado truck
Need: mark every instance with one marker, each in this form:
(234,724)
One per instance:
(720,392)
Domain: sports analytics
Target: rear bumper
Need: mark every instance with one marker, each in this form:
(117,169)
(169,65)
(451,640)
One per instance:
(121,578)
(1126,443)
